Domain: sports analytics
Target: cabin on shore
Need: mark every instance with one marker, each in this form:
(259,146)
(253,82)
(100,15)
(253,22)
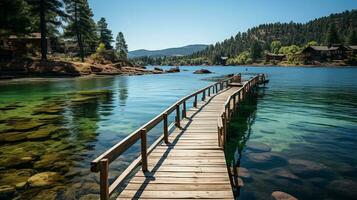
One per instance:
(274,57)
(223,60)
(12,45)
(325,53)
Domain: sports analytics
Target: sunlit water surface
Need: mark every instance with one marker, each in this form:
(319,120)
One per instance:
(58,126)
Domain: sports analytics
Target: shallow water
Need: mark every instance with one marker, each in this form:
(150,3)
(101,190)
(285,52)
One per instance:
(299,136)
(305,113)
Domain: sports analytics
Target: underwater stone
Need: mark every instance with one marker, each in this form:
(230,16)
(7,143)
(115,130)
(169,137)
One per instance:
(47,161)
(26,126)
(91,187)
(344,187)
(261,158)
(21,185)
(43,132)
(82,99)
(305,167)
(6,191)
(12,137)
(258,147)
(44,179)
(278,195)
(15,178)
(90,197)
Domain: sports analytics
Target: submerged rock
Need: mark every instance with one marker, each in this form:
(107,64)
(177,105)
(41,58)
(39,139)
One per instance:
(278,195)
(344,187)
(6,191)
(306,167)
(202,71)
(16,178)
(90,197)
(12,137)
(43,132)
(44,179)
(46,161)
(258,147)
(261,158)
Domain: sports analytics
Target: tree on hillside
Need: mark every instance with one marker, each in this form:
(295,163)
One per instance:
(311,43)
(352,38)
(121,47)
(332,35)
(80,24)
(256,50)
(48,11)
(275,46)
(105,35)
(14,17)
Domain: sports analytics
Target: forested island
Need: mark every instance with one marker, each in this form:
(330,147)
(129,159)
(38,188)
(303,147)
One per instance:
(324,41)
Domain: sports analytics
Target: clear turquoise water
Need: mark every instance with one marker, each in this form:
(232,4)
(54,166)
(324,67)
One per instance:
(305,113)
(308,117)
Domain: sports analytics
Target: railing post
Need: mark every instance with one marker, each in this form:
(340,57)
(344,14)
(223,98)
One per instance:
(177,115)
(204,95)
(216,86)
(224,130)
(144,158)
(234,102)
(195,101)
(209,91)
(104,183)
(166,131)
(184,109)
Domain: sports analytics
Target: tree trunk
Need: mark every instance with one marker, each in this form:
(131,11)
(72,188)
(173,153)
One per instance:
(43,31)
(79,38)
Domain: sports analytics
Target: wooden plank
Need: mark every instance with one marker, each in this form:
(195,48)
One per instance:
(176,194)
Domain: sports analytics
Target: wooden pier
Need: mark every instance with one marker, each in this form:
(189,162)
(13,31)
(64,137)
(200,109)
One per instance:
(187,161)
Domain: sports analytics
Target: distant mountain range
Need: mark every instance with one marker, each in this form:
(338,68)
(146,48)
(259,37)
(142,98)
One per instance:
(179,51)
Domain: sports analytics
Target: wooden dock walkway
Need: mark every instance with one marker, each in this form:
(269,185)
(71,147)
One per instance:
(187,162)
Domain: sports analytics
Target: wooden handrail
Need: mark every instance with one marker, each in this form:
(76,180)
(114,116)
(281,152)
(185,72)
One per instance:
(227,111)
(141,134)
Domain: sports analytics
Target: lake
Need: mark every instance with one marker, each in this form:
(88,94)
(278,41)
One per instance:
(299,136)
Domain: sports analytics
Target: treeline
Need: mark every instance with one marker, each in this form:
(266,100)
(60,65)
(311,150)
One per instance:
(290,37)
(74,17)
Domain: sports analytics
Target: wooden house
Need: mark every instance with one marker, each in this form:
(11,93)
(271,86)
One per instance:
(21,44)
(274,57)
(324,53)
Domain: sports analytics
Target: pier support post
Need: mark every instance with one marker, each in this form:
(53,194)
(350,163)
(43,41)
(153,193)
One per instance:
(104,183)
(144,157)
(166,131)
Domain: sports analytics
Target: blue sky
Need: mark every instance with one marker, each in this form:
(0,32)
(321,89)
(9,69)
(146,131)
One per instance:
(158,24)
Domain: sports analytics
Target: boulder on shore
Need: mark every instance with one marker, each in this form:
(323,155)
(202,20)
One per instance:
(278,195)
(202,71)
(158,69)
(173,70)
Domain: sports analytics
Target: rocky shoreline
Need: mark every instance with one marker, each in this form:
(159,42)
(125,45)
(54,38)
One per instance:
(34,68)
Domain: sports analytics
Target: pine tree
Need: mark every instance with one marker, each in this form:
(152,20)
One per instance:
(14,17)
(121,47)
(105,35)
(48,11)
(255,50)
(352,39)
(332,36)
(80,24)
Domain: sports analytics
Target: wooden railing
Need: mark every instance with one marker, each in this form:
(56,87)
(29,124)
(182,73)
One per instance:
(101,163)
(231,105)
